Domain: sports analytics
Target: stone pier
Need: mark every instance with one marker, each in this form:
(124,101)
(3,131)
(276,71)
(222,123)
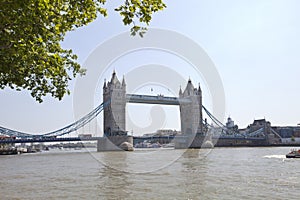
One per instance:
(115,143)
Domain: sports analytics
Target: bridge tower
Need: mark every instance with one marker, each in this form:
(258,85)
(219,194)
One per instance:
(191,110)
(191,115)
(114,120)
(114,113)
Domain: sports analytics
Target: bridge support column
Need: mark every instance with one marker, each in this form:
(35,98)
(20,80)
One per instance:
(196,142)
(115,143)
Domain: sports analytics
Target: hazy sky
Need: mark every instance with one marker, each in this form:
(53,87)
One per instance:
(254,45)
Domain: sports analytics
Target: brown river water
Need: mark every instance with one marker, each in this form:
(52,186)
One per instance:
(220,173)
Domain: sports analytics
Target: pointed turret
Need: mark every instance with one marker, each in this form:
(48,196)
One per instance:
(199,90)
(114,81)
(180,92)
(189,90)
(114,78)
(104,85)
(123,81)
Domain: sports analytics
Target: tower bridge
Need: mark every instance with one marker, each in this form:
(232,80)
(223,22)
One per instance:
(114,103)
(189,102)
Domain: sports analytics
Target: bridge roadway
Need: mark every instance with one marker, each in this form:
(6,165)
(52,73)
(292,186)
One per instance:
(47,139)
(135,138)
(72,139)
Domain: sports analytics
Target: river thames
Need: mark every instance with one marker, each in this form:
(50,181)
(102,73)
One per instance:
(220,173)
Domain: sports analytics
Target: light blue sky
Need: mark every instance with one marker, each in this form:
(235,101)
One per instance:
(254,44)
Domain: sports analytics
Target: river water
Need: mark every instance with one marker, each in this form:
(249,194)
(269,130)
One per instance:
(221,173)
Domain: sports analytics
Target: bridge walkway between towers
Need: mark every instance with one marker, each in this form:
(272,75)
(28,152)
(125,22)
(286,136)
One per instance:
(159,99)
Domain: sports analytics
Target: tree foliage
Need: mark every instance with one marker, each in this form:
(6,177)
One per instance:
(31,32)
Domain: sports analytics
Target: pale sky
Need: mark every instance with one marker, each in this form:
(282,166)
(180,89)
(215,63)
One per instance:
(254,45)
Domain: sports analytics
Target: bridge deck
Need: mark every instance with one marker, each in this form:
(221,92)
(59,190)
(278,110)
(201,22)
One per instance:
(32,140)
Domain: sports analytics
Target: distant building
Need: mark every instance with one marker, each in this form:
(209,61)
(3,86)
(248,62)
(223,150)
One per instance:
(258,124)
(274,134)
(231,128)
(167,132)
(85,136)
(261,128)
(229,123)
(163,132)
(288,134)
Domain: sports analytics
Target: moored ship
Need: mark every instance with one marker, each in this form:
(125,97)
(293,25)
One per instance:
(8,151)
(7,148)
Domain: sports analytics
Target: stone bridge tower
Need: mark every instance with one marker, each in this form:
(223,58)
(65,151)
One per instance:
(191,109)
(191,117)
(115,134)
(115,112)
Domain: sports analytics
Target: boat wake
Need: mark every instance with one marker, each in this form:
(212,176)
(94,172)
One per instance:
(275,156)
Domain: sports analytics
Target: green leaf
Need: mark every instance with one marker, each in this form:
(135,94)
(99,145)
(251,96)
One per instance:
(32,30)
